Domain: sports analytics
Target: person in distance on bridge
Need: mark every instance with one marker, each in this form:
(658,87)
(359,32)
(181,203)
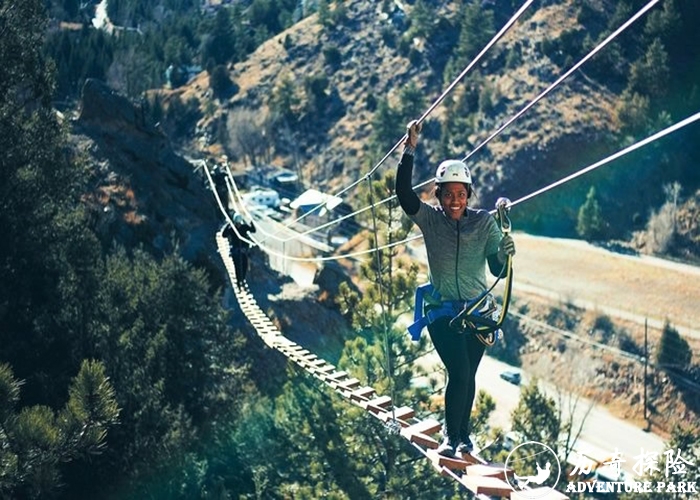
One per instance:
(459,242)
(239,247)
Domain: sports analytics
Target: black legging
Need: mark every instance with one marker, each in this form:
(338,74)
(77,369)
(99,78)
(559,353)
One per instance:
(240,263)
(461,353)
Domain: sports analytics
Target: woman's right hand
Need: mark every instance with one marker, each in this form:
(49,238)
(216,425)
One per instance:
(412,133)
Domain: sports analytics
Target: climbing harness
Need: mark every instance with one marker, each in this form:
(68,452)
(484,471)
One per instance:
(482,315)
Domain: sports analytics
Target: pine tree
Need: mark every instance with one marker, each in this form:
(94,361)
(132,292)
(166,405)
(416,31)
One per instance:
(386,127)
(590,223)
(284,101)
(650,75)
(324,16)
(674,353)
(35,441)
(536,416)
(476,29)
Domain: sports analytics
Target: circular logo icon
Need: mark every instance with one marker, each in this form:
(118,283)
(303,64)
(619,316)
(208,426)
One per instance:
(532,470)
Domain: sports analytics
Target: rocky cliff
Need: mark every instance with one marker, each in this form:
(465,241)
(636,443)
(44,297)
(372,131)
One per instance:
(142,191)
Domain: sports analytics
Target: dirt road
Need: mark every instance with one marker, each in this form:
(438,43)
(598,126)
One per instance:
(630,287)
(627,286)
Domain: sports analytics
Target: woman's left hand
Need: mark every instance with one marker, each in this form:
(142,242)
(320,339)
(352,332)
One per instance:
(506,247)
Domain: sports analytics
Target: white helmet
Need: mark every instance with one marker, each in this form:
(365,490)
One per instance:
(453,171)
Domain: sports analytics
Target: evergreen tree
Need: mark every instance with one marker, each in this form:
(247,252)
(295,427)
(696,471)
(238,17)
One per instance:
(171,360)
(315,87)
(48,260)
(412,103)
(476,29)
(590,224)
(633,113)
(220,45)
(384,127)
(674,353)
(422,20)
(36,441)
(220,82)
(650,76)
(284,102)
(536,416)
(324,15)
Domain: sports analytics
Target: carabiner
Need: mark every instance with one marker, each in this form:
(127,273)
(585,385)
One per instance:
(503,208)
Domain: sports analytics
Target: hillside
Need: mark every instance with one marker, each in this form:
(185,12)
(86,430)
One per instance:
(332,136)
(605,298)
(577,115)
(126,371)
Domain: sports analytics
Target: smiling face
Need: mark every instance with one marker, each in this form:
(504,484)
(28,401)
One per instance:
(453,199)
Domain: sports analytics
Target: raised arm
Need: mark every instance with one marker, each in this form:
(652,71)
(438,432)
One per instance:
(409,201)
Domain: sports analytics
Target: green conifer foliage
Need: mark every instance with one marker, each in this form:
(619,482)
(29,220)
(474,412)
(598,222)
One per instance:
(590,218)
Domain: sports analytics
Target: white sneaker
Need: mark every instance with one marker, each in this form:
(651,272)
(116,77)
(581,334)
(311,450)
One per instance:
(447,448)
(465,446)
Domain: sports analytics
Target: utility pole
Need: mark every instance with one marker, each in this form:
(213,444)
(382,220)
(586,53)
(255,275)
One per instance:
(646,363)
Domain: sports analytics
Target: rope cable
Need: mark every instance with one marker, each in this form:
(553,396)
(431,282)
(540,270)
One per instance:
(658,135)
(380,283)
(612,157)
(593,52)
(432,107)
(506,124)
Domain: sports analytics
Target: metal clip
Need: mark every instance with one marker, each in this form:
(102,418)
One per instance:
(503,208)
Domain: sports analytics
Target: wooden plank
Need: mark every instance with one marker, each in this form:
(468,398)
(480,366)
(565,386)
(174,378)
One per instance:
(346,385)
(378,405)
(401,414)
(338,375)
(424,440)
(488,470)
(404,412)
(286,346)
(316,370)
(474,458)
(487,486)
(453,463)
(362,394)
(429,426)
(419,433)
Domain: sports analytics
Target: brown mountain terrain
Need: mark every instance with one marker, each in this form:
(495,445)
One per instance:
(572,126)
(573,121)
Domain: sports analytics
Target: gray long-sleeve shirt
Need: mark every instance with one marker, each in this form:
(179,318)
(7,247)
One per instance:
(457,249)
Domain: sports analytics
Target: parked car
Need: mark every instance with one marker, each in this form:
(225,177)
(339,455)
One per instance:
(511,376)
(262,197)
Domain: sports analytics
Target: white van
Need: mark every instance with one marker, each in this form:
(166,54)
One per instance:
(262,197)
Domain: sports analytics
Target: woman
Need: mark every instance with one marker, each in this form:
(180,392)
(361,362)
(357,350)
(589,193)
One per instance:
(459,241)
